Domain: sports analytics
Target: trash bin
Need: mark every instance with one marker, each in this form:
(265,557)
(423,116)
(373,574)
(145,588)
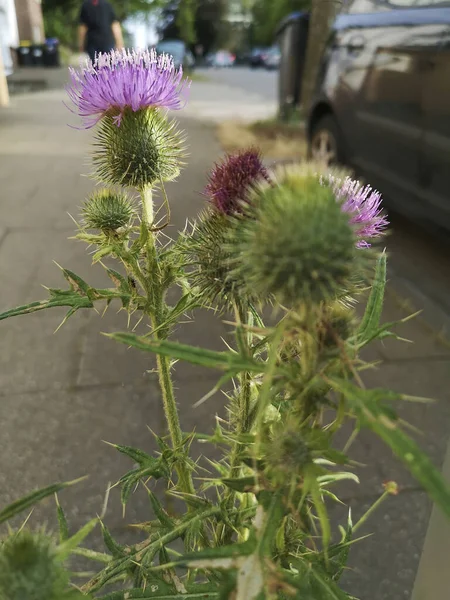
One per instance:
(292,37)
(24,56)
(37,53)
(51,53)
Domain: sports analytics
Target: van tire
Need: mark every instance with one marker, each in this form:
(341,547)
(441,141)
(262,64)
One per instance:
(325,143)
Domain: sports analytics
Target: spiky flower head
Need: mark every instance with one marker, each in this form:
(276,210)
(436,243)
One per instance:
(147,148)
(295,242)
(107,210)
(30,568)
(232,180)
(205,249)
(121,80)
(363,204)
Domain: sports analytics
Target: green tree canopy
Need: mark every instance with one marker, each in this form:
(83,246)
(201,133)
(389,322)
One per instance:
(268,14)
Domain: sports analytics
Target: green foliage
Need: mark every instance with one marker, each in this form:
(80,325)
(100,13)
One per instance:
(186,20)
(144,150)
(267,16)
(33,498)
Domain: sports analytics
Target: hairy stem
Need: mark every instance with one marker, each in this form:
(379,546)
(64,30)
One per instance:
(243,413)
(156,310)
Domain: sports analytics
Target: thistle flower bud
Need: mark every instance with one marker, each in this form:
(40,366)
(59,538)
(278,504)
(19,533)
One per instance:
(231,181)
(295,243)
(30,569)
(107,210)
(144,150)
(206,251)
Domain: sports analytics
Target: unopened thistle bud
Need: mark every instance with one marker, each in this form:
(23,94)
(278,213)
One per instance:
(30,568)
(206,251)
(147,148)
(107,210)
(295,243)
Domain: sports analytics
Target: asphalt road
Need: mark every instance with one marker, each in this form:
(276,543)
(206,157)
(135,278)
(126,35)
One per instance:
(256,81)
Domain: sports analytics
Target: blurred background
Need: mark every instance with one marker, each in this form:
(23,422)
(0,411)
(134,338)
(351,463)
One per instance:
(361,83)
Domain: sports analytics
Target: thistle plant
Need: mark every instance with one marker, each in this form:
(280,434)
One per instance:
(293,245)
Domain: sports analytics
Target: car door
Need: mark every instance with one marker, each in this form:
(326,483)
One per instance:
(399,45)
(435,162)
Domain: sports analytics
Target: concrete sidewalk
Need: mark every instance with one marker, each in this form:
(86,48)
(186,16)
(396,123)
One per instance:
(61,395)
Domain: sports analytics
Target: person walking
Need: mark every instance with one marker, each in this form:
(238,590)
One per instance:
(99,29)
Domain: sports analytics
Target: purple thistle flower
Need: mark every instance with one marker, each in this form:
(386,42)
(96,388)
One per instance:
(125,79)
(363,204)
(231,181)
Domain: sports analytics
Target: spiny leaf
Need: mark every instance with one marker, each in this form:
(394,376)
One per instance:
(372,315)
(117,550)
(379,419)
(229,361)
(33,498)
(139,456)
(62,522)
(159,511)
(68,546)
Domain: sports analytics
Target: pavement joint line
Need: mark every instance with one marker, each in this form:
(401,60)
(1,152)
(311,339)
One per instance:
(3,235)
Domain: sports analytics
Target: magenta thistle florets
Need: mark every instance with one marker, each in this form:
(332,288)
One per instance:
(363,204)
(232,180)
(126,79)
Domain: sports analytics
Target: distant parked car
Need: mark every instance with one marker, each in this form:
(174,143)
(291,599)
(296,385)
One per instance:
(383,102)
(272,58)
(182,56)
(222,58)
(256,57)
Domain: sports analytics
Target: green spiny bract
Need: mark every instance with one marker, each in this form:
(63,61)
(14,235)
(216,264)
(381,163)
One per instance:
(147,148)
(205,249)
(295,243)
(30,569)
(107,210)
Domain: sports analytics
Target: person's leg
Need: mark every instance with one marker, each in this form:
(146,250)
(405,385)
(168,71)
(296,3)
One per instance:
(92,52)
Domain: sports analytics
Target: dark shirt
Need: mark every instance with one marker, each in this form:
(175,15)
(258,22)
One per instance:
(98,16)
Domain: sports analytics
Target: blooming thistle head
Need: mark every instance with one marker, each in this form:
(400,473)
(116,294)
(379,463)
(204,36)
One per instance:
(363,204)
(232,180)
(120,80)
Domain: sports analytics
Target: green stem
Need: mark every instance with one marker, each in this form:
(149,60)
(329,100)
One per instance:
(156,312)
(147,206)
(371,510)
(243,425)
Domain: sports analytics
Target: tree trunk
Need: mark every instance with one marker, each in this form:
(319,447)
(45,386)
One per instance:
(322,15)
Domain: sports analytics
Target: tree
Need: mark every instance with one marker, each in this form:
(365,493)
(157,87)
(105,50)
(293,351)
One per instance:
(185,21)
(322,14)
(268,14)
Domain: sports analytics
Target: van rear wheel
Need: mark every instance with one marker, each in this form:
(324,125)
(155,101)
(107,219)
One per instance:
(326,144)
